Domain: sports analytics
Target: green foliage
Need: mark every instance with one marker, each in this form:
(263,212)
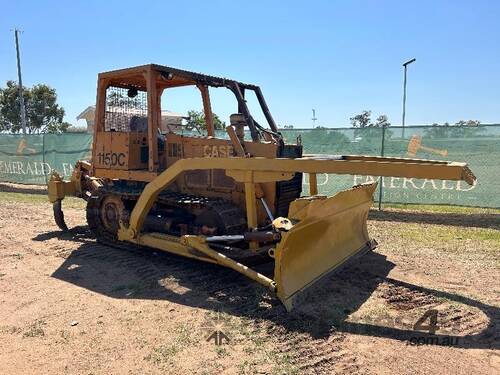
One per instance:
(382,120)
(363,120)
(367,130)
(76,129)
(468,123)
(61,127)
(325,140)
(43,114)
(462,128)
(197,122)
(4,124)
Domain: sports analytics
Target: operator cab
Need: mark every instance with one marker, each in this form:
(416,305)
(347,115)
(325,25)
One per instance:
(128,145)
(128,119)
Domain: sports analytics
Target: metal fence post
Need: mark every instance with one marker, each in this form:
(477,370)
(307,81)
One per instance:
(43,157)
(381,178)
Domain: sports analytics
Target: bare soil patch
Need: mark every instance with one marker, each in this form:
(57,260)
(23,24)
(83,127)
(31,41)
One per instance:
(70,305)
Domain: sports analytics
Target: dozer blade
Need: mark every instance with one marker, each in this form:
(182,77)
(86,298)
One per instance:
(330,232)
(59,215)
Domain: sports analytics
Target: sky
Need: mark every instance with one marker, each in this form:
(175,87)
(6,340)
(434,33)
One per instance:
(339,57)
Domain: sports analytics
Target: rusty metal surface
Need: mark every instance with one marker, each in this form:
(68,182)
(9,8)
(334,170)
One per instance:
(59,215)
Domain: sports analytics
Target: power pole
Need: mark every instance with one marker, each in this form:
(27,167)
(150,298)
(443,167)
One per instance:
(20,81)
(314,118)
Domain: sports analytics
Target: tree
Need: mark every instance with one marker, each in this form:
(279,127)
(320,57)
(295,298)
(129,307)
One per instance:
(468,123)
(58,127)
(362,120)
(43,114)
(382,120)
(323,140)
(466,128)
(368,131)
(4,125)
(462,128)
(197,122)
(10,113)
(76,129)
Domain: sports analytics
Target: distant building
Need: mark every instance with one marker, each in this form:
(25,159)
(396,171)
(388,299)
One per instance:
(88,115)
(170,121)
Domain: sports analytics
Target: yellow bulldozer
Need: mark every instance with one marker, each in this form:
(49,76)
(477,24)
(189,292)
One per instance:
(235,200)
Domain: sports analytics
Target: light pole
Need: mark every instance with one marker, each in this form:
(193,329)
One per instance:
(404,93)
(314,118)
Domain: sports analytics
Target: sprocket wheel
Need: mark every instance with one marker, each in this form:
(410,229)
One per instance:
(111,211)
(105,210)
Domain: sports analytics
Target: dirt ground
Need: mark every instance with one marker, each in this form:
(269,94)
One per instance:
(71,306)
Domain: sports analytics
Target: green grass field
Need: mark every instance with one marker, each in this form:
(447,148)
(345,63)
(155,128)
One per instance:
(442,208)
(70,202)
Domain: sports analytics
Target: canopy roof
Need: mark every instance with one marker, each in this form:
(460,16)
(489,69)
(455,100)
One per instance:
(89,113)
(169,77)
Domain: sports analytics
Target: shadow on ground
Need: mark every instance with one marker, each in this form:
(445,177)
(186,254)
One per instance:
(461,220)
(146,274)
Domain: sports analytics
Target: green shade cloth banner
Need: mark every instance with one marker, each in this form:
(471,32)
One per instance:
(30,159)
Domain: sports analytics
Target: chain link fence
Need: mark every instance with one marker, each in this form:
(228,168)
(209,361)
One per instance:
(479,146)
(30,159)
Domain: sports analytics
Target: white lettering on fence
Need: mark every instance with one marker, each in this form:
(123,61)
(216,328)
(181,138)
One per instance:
(31,168)
(409,183)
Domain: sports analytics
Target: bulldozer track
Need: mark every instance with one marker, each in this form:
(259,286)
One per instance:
(310,355)
(232,216)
